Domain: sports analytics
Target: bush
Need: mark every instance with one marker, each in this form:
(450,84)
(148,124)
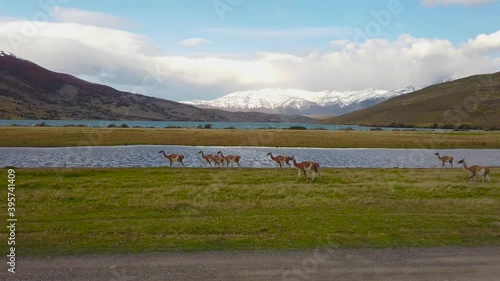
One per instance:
(401,125)
(43,124)
(492,128)
(175,127)
(297,128)
(111,126)
(466,127)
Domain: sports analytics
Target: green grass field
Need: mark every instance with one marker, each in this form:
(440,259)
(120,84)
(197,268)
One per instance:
(77,211)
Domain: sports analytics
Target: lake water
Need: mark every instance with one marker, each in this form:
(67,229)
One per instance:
(162,124)
(149,156)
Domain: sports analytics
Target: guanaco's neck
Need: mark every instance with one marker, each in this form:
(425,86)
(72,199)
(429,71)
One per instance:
(465,166)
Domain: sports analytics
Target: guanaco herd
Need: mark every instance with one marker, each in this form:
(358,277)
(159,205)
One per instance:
(219,159)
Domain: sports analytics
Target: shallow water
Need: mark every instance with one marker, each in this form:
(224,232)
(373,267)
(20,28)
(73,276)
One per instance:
(149,156)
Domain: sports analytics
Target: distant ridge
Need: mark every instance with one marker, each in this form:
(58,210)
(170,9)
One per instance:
(29,91)
(296,101)
(467,102)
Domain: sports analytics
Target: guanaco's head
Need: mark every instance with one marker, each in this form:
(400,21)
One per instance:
(269,154)
(161,151)
(461,161)
(200,152)
(219,152)
(437,154)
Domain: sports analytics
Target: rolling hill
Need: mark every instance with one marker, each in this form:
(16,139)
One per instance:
(29,91)
(472,101)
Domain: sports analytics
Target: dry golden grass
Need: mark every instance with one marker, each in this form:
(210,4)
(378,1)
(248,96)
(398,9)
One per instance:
(56,136)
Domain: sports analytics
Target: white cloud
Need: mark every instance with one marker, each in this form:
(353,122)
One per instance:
(484,43)
(72,15)
(131,62)
(430,3)
(20,34)
(193,42)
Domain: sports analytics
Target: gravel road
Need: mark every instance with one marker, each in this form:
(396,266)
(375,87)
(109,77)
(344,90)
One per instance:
(443,264)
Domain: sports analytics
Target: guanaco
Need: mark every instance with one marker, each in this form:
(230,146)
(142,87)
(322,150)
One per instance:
(174,158)
(445,159)
(306,166)
(280,159)
(476,170)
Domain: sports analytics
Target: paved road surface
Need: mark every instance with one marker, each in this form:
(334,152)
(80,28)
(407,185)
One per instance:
(443,264)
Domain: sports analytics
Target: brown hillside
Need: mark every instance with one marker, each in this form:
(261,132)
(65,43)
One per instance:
(29,91)
(473,101)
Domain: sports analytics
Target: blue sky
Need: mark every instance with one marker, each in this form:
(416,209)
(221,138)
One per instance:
(208,48)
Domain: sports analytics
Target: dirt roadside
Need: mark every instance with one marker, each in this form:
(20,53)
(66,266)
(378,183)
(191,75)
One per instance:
(443,264)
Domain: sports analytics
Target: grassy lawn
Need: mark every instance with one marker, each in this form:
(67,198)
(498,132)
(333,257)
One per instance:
(75,211)
(70,136)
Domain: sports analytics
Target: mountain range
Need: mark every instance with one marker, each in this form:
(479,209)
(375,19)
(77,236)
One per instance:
(294,101)
(29,91)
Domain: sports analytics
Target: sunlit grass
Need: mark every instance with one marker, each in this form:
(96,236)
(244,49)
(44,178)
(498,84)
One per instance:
(73,211)
(71,136)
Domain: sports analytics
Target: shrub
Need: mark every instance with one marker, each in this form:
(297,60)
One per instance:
(297,128)
(175,127)
(43,124)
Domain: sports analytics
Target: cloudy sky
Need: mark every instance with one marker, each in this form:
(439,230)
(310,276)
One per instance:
(203,49)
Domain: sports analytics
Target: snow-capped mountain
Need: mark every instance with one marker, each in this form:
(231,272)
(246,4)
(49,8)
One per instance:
(8,54)
(3,53)
(294,101)
(451,78)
